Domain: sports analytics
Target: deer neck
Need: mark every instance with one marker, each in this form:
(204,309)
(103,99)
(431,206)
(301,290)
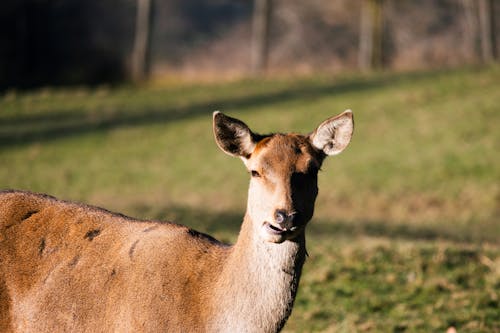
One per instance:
(259,282)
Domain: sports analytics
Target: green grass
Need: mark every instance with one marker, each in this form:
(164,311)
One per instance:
(407,222)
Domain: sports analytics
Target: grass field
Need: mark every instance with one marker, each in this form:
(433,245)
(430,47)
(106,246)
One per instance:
(407,227)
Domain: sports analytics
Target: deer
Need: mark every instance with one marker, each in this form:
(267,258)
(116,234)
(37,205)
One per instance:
(72,267)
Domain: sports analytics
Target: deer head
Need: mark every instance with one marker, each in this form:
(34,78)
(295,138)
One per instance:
(284,171)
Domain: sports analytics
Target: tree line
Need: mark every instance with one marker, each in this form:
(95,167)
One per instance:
(480,26)
(77,41)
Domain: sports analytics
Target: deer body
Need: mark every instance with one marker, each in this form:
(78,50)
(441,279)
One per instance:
(67,267)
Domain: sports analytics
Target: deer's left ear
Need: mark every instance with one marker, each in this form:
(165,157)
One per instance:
(334,134)
(233,136)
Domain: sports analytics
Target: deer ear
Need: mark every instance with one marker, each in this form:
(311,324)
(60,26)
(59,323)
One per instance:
(233,136)
(334,134)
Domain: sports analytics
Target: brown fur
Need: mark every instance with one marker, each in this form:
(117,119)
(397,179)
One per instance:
(67,267)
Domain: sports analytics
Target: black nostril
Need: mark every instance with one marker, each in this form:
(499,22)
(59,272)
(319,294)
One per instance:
(280,216)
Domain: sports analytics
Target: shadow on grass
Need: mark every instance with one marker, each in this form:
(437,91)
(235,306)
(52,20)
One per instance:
(25,128)
(402,231)
(201,220)
(228,225)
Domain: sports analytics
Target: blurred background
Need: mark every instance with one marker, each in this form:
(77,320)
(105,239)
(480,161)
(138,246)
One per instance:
(110,103)
(79,42)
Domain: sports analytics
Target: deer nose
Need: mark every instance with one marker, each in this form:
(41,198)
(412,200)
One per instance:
(284,219)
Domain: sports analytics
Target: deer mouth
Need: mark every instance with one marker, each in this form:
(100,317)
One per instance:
(278,234)
(277,230)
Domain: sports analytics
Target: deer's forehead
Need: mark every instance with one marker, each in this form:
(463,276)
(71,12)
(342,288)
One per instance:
(284,153)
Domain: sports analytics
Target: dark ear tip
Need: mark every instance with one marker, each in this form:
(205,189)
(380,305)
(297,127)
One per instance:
(220,119)
(217,114)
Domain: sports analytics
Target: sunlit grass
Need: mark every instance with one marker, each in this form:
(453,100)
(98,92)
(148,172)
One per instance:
(404,216)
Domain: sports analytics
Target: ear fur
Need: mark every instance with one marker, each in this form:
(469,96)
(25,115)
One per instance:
(232,135)
(334,134)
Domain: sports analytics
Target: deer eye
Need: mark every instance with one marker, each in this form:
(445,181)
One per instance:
(255,173)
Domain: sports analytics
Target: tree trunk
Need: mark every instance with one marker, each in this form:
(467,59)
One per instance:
(470,23)
(486,30)
(370,35)
(140,51)
(260,35)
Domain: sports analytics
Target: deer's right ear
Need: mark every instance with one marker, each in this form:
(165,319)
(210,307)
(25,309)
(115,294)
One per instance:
(233,136)
(334,134)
